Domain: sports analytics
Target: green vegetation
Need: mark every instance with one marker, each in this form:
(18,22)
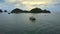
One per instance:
(38,10)
(16,10)
(35,10)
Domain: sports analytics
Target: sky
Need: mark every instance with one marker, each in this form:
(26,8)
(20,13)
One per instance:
(52,5)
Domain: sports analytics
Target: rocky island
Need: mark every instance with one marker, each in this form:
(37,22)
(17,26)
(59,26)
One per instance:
(19,11)
(1,11)
(34,10)
(38,10)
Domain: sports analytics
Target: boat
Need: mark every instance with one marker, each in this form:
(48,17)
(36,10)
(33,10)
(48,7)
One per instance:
(32,18)
(8,13)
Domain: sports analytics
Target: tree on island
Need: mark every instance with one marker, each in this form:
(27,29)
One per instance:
(1,11)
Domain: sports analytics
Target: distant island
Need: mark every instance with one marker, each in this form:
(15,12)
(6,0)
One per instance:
(34,10)
(1,11)
(19,11)
(38,10)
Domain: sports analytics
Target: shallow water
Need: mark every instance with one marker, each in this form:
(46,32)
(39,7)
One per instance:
(20,23)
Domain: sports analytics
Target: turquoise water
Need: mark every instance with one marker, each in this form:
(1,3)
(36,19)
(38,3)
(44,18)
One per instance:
(20,23)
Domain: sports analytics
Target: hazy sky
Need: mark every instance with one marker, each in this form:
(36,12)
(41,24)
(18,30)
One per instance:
(53,5)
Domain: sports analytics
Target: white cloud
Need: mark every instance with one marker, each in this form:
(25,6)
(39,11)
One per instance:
(29,4)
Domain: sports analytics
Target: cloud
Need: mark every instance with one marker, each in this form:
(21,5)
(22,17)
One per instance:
(29,4)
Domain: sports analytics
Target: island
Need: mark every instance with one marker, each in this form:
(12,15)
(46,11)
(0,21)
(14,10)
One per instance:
(5,11)
(1,11)
(38,10)
(34,10)
(17,10)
